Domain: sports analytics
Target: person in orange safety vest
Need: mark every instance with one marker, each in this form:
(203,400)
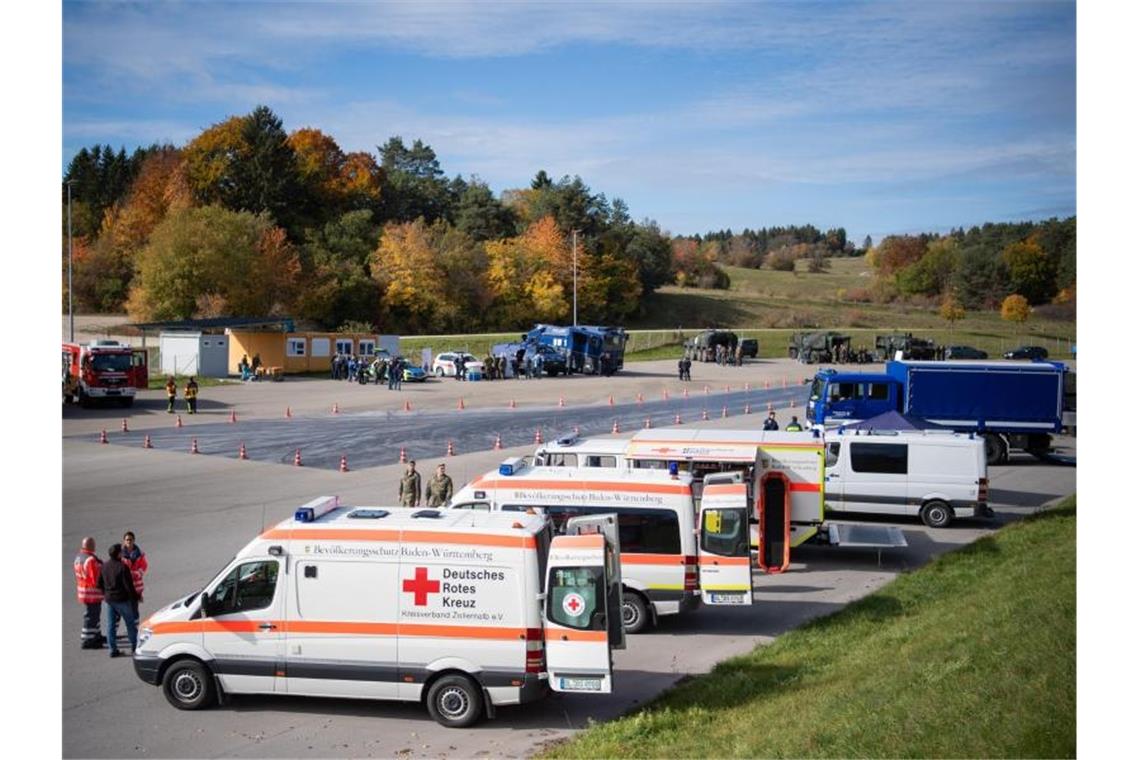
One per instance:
(87,569)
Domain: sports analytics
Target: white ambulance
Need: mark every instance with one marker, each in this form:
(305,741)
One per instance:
(457,610)
(668,566)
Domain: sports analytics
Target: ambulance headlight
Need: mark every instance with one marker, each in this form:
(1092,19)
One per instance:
(144,636)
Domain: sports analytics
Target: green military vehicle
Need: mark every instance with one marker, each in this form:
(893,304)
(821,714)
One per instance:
(820,347)
(702,347)
(887,346)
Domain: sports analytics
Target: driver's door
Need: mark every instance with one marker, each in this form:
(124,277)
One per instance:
(242,626)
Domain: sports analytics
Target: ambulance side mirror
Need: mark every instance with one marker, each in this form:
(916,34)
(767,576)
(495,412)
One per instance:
(204,604)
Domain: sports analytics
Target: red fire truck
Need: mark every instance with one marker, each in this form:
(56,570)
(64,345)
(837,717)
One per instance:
(102,370)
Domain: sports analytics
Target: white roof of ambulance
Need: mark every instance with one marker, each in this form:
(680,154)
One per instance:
(589,477)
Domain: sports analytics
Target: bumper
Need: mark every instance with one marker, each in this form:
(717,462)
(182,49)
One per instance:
(147,668)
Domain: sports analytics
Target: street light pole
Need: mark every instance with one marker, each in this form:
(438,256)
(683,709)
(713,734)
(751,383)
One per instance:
(574,235)
(70,256)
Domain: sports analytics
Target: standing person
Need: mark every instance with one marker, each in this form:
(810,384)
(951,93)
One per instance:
(460,367)
(739,354)
(439,488)
(681,368)
(135,560)
(794,426)
(87,569)
(119,594)
(256,365)
(390,369)
(191,394)
(398,369)
(332,367)
(410,489)
(770,423)
(688,369)
(538,365)
(171,393)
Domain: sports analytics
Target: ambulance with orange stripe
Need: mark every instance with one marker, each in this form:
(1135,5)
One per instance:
(782,472)
(460,611)
(672,557)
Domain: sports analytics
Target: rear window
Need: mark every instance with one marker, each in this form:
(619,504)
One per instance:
(883,458)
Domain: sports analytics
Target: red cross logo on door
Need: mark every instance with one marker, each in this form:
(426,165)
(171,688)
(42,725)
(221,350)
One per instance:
(421,586)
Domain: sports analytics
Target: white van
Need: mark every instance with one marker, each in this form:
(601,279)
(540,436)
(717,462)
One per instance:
(934,475)
(459,610)
(666,567)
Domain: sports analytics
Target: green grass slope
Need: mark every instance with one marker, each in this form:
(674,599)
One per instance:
(973,655)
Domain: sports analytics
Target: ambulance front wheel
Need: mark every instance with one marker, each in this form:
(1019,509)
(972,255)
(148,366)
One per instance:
(634,612)
(188,685)
(455,701)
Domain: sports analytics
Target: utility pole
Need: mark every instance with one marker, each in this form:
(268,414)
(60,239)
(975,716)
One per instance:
(70,256)
(574,237)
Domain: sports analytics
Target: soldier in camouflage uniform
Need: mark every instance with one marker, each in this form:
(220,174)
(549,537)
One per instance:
(439,488)
(410,489)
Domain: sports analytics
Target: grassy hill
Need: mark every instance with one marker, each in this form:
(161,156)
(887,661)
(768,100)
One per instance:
(973,655)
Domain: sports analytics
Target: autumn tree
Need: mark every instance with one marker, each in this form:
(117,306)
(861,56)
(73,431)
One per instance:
(898,251)
(335,182)
(1015,308)
(951,310)
(1031,273)
(409,275)
(932,273)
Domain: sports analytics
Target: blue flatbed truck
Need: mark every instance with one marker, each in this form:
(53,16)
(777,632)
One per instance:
(1013,405)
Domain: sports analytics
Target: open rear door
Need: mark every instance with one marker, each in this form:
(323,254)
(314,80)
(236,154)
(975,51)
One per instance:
(774,508)
(582,613)
(139,376)
(725,567)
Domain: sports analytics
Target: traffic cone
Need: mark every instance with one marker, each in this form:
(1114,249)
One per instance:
(403,455)
(704,414)
(769,406)
(767,385)
(407,406)
(512,405)
(617,427)
(723,412)
(748,386)
(785,382)
(288,413)
(706,390)
(611,400)
(727,388)
(460,407)
(561,402)
(193,445)
(124,426)
(343,463)
(146,443)
(297,458)
(450,449)
(665,393)
(178,420)
(233,416)
(538,435)
(685,393)
(676,419)
(640,398)
(103,437)
(498,442)
(748,408)
(792,404)
(577,431)
(648,423)
(336,408)
(241,451)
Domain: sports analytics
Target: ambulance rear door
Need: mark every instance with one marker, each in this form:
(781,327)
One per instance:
(580,625)
(723,553)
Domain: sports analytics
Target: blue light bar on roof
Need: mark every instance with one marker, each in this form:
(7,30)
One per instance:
(316,508)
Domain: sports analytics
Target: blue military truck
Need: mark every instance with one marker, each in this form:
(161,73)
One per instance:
(590,349)
(1013,405)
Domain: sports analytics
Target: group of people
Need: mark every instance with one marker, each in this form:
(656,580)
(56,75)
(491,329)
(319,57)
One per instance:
(722,354)
(360,369)
(439,488)
(247,369)
(115,585)
(793,427)
(190,393)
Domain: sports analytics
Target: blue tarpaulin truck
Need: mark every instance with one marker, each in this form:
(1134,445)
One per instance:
(1014,405)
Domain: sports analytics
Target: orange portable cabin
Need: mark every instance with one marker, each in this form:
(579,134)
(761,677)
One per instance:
(298,352)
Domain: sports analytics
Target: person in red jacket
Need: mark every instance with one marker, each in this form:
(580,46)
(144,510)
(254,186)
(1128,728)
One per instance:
(87,570)
(135,560)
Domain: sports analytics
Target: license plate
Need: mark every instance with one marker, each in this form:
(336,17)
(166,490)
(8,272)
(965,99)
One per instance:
(726,598)
(113,393)
(581,684)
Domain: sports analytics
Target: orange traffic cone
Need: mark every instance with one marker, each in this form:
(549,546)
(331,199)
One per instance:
(648,423)
(706,390)
(233,416)
(561,402)
(676,419)
(343,463)
(498,442)
(103,437)
(146,443)
(538,435)
(407,406)
(611,400)
(297,458)
(403,455)
(704,414)
(460,406)
(723,412)
(640,398)
(785,382)
(336,408)
(727,388)
(792,404)
(193,445)
(748,386)
(685,393)
(241,451)
(617,427)
(748,409)
(512,405)
(769,406)
(767,385)
(288,413)
(178,420)
(665,393)
(450,449)
(124,426)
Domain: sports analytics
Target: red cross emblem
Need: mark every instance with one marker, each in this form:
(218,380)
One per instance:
(421,586)
(573,604)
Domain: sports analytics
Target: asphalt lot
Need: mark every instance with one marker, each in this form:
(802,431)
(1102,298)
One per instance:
(192,513)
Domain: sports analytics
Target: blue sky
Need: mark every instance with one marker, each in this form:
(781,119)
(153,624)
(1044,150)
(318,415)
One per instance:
(880,117)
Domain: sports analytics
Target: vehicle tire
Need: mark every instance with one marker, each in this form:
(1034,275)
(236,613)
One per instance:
(84,399)
(127,401)
(634,612)
(996,452)
(439,372)
(188,685)
(936,514)
(455,701)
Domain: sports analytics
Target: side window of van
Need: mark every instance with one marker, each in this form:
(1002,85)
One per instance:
(249,586)
(576,598)
(562,460)
(594,460)
(832,454)
(480,506)
(882,458)
(876,391)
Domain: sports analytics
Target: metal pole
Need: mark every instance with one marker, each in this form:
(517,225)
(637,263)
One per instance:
(70,308)
(574,235)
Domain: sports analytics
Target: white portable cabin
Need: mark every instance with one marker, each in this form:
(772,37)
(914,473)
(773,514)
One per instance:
(194,353)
